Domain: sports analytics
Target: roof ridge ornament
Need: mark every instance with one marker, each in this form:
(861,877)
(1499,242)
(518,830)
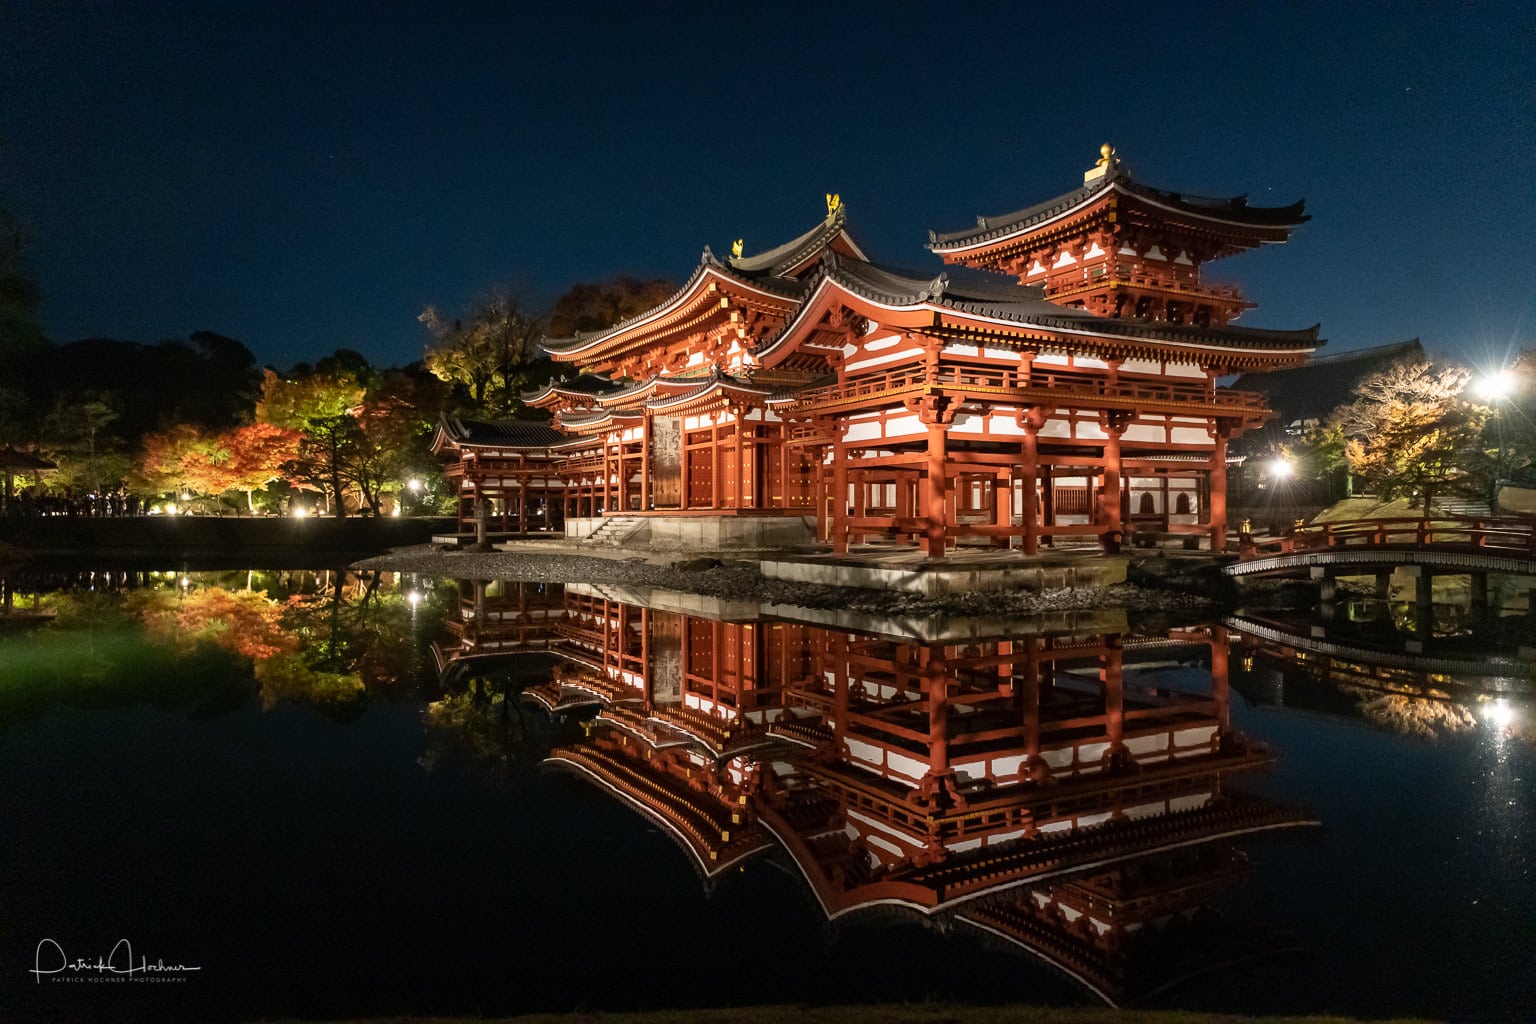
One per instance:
(935,289)
(834,204)
(736,248)
(1107,164)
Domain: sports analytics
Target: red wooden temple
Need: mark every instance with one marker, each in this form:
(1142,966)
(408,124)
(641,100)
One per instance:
(1058,381)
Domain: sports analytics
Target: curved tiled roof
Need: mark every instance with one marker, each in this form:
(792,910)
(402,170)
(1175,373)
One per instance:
(786,287)
(586,385)
(1234,210)
(781,259)
(500,433)
(1022,305)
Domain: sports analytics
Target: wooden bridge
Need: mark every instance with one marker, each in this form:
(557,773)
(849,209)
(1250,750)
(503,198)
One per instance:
(1445,544)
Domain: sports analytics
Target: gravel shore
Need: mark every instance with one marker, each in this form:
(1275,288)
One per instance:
(741,580)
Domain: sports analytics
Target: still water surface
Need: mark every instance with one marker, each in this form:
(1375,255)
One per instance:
(336,795)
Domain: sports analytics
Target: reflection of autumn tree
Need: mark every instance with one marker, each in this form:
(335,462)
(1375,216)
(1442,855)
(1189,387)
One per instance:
(487,725)
(1429,716)
(289,677)
(482,725)
(358,626)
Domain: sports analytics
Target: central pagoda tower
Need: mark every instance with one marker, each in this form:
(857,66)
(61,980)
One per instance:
(1122,249)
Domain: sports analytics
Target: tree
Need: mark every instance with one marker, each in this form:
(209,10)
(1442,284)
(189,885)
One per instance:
(319,407)
(89,455)
(599,305)
(1412,435)
(489,350)
(258,453)
(181,459)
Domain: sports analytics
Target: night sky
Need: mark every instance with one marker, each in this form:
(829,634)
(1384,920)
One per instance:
(308,176)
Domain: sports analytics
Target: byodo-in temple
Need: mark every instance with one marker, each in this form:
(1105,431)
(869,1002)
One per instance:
(1057,383)
(1064,792)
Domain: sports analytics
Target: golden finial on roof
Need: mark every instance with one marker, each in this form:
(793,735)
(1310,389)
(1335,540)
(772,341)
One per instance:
(1107,162)
(736,248)
(834,203)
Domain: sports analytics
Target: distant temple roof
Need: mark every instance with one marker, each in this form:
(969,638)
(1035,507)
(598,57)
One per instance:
(1234,211)
(1312,391)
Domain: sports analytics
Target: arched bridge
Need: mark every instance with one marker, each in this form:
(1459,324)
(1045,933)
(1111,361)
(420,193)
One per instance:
(1448,545)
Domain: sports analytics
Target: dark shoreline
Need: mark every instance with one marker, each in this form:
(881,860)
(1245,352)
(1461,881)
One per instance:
(740,580)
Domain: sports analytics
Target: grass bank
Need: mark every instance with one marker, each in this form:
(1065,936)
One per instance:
(927,1013)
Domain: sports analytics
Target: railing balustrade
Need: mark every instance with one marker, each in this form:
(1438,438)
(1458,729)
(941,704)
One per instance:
(1015,383)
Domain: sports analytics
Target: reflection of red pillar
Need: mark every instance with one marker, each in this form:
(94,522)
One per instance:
(1112,682)
(1029,694)
(1220,677)
(936,685)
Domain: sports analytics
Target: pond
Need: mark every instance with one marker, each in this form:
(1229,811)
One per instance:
(315,794)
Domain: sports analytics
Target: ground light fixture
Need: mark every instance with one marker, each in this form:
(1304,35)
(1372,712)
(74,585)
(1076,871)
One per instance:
(1280,468)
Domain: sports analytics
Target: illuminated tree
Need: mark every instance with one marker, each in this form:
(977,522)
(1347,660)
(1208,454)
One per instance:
(320,408)
(78,436)
(257,455)
(1413,435)
(489,350)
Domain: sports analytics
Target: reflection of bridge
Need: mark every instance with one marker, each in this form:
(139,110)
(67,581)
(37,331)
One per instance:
(1449,545)
(1349,659)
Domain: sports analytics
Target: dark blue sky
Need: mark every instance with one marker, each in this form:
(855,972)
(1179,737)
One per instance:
(303,177)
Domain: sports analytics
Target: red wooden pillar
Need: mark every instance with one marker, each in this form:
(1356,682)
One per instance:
(1114,525)
(1029,466)
(839,497)
(607,476)
(938,505)
(1220,676)
(622,504)
(645,463)
(714,463)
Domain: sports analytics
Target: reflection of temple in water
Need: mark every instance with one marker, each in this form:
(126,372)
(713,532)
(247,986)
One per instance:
(492,619)
(1064,794)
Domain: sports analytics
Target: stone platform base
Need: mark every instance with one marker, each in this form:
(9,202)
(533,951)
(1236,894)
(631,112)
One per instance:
(962,572)
(697,533)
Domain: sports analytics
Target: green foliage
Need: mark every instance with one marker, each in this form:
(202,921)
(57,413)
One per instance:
(80,437)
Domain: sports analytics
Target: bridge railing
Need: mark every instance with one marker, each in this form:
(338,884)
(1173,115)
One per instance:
(1509,534)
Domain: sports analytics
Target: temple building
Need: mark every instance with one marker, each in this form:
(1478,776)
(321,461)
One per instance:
(1057,384)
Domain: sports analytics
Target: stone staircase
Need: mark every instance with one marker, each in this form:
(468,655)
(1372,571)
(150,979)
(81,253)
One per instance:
(616,532)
